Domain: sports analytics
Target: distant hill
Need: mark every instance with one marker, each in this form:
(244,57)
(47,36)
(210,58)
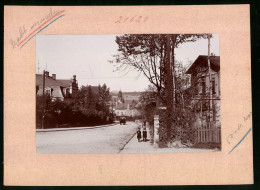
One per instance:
(115,93)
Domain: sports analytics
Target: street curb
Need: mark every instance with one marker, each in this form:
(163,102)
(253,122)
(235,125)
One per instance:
(122,148)
(73,128)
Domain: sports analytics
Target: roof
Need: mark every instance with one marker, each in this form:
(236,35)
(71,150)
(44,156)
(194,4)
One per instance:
(65,82)
(202,60)
(138,105)
(49,81)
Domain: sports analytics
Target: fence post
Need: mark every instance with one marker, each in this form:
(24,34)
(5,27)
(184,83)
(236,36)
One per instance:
(156,130)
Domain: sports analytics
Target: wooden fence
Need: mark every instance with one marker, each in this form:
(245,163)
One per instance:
(205,135)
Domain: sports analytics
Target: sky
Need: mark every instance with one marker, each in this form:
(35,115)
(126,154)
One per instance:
(86,56)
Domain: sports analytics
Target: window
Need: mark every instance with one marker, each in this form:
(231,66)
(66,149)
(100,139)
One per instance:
(213,85)
(48,91)
(203,84)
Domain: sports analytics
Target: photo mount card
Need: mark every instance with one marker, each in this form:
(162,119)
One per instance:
(51,40)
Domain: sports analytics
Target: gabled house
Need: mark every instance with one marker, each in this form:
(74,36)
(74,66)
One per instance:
(70,86)
(57,89)
(205,87)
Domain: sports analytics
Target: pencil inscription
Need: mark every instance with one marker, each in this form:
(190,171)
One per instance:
(136,18)
(239,127)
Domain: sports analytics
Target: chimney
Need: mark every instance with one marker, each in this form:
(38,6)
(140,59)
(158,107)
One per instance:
(54,76)
(47,73)
(74,77)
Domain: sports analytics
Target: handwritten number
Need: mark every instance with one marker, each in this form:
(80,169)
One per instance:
(145,19)
(131,19)
(139,19)
(119,20)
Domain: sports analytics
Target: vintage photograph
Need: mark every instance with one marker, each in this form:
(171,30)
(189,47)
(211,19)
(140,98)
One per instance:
(128,93)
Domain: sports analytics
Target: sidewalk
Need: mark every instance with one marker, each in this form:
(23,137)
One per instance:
(145,147)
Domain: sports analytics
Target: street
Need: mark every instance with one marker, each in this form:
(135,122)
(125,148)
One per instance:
(108,139)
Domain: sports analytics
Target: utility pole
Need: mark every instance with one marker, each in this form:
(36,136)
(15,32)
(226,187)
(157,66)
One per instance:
(210,82)
(169,90)
(43,98)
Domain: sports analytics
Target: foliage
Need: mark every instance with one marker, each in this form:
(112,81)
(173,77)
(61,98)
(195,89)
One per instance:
(148,96)
(182,128)
(88,108)
(90,100)
(103,98)
(149,55)
(146,53)
(183,116)
(95,105)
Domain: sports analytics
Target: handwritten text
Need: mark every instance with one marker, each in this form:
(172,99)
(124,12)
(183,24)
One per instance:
(126,19)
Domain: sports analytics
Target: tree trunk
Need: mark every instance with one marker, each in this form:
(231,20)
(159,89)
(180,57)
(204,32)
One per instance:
(158,101)
(173,38)
(173,71)
(169,91)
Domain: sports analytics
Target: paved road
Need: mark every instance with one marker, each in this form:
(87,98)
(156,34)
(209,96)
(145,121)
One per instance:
(100,140)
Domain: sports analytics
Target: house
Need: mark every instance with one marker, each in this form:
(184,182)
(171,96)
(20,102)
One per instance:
(57,89)
(205,88)
(127,110)
(70,86)
(126,105)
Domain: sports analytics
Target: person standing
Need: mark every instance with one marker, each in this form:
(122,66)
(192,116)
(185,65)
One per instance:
(144,135)
(139,135)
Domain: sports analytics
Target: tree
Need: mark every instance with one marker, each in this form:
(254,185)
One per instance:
(184,115)
(139,52)
(95,105)
(148,96)
(89,100)
(147,54)
(153,56)
(103,98)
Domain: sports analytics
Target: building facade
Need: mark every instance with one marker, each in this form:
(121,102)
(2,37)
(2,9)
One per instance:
(205,88)
(127,112)
(126,105)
